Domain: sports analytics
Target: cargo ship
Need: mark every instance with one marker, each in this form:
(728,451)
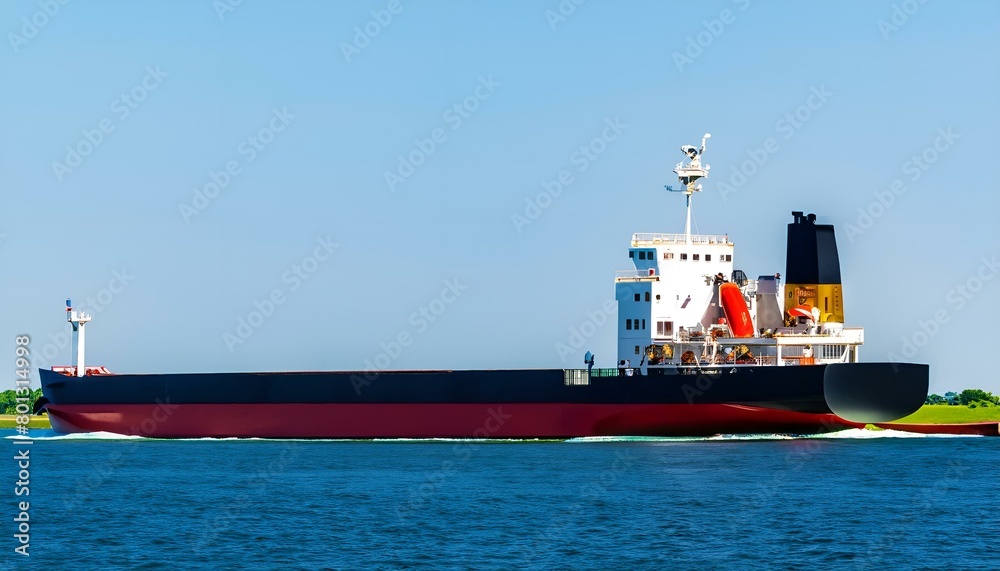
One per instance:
(702,350)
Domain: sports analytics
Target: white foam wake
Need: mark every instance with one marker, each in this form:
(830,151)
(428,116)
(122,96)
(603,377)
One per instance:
(849,434)
(77,436)
(864,434)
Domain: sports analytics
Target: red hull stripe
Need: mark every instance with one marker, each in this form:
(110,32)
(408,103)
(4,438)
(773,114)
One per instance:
(510,420)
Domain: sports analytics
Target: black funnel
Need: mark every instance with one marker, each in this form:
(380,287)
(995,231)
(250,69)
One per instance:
(811,257)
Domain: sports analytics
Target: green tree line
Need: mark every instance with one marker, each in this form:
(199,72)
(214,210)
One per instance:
(971,398)
(8,400)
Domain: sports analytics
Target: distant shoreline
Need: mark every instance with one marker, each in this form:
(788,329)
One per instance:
(951,414)
(37,421)
(928,414)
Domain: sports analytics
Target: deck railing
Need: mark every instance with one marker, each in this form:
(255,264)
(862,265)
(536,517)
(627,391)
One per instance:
(659,238)
(635,275)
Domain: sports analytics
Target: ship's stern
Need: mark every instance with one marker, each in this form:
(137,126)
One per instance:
(875,392)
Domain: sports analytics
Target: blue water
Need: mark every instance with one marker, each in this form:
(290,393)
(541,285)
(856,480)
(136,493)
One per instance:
(846,502)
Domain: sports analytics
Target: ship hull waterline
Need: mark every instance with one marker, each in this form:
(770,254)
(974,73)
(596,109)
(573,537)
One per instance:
(372,421)
(485,404)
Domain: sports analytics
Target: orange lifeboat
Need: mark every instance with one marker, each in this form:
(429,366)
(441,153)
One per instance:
(735,307)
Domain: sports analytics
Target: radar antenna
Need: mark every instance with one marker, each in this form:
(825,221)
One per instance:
(79,319)
(689,174)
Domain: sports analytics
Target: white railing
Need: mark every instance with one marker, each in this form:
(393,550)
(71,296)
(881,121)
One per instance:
(658,238)
(854,335)
(635,275)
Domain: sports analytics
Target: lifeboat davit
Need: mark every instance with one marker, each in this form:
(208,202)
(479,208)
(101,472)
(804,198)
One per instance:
(735,307)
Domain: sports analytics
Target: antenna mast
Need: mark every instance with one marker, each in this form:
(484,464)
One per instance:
(689,174)
(78,319)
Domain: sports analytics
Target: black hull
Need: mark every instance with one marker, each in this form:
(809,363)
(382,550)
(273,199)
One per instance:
(855,393)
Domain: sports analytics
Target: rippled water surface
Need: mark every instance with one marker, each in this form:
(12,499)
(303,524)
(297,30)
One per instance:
(854,500)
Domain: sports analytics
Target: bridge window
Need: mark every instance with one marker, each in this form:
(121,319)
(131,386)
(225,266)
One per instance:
(684,257)
(708,257)
(635,324)
(696,256)
(665,328)
(642,254)
(636,297)
(631,253)
(668,255)
(729,258)
(643,323)
(647,296)
(628,324)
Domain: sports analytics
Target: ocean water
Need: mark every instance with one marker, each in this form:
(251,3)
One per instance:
(854,500)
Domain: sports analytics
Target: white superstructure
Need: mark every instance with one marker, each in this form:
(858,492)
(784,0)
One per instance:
(669,311)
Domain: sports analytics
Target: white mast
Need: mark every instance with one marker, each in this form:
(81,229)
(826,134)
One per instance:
(689,175)
(78,319)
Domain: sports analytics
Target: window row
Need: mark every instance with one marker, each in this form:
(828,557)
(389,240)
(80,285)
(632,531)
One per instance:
(663,328)
(697,257)
(639,297)
(631,324)
(643,254)
(651,255)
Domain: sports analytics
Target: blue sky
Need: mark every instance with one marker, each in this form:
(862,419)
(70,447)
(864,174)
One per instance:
(293,119)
